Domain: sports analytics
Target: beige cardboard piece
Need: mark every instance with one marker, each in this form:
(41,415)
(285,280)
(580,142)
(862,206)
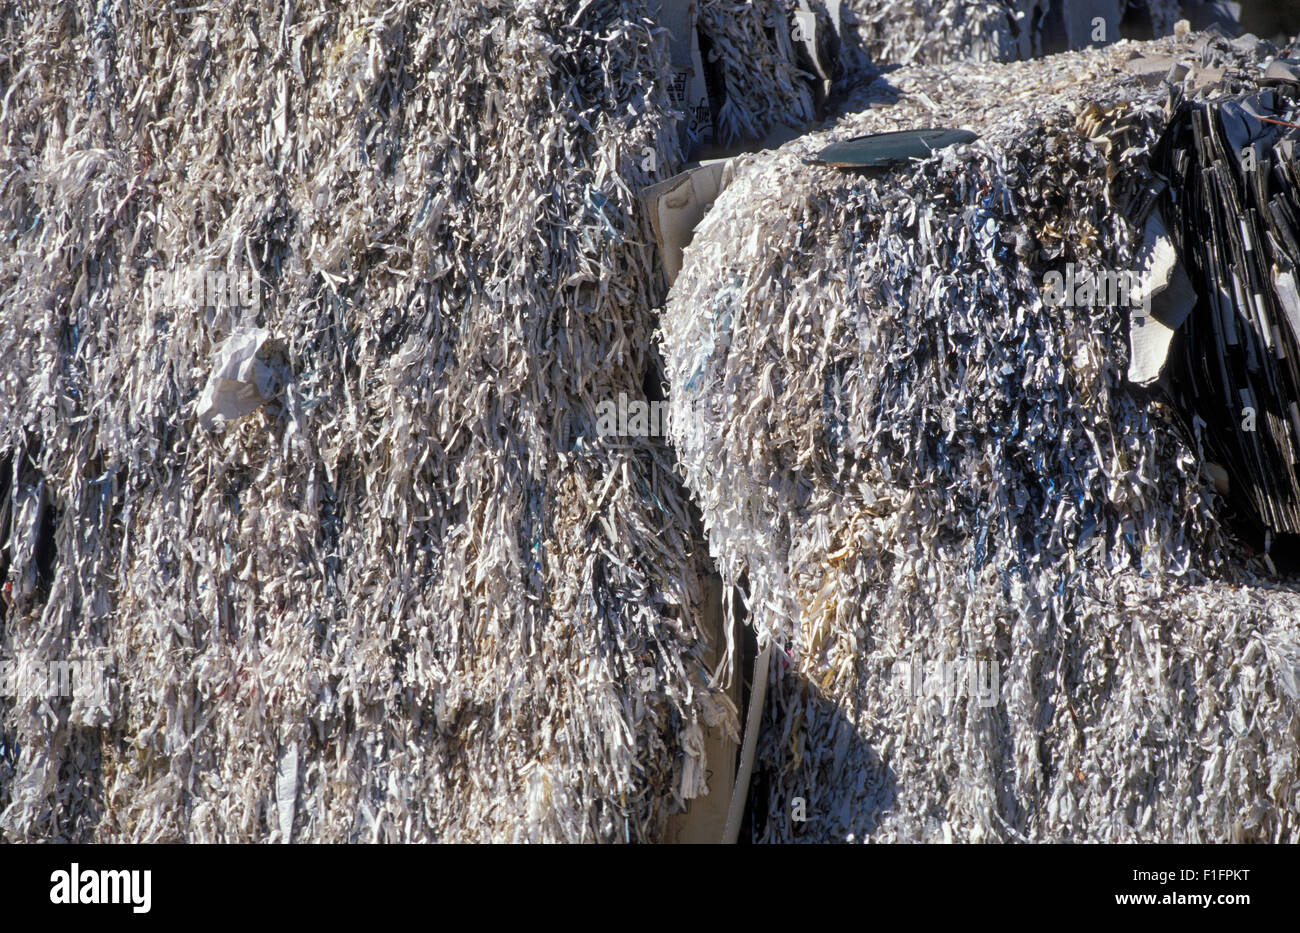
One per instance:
(1152,69)
(677,205)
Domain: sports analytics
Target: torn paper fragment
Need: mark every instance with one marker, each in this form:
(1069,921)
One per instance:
(1289,299)
(1166,296)
(286,791)
(241,379)
(677,205)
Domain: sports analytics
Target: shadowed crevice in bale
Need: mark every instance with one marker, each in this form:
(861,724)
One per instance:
(806,731)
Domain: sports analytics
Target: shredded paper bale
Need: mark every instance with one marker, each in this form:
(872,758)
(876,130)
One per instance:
(920,468)
(341,532)
(934,31)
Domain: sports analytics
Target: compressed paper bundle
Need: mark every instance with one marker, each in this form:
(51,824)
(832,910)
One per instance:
(308,310)
(1003,601)
(935,31)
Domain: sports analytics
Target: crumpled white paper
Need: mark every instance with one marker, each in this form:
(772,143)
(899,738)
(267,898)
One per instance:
(242,379)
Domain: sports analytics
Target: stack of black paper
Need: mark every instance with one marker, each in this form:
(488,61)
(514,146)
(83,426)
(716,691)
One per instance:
(1232,207)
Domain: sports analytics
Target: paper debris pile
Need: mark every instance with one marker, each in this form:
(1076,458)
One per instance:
(1003,600)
